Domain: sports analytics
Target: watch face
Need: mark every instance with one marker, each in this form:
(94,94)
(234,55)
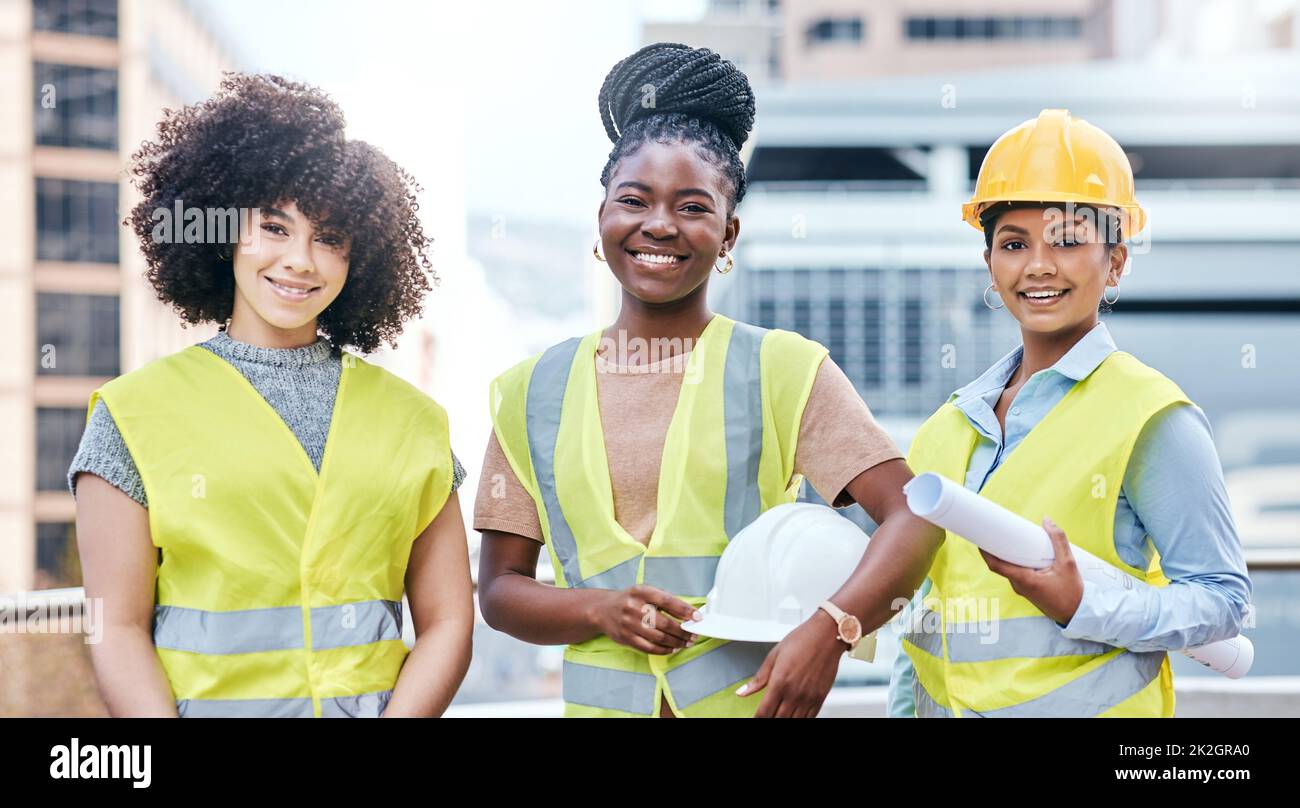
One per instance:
(851,629)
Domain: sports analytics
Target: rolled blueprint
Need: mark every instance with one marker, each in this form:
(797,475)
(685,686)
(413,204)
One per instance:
(1013,538)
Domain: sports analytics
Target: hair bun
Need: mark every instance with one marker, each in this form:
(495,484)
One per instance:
(669,77)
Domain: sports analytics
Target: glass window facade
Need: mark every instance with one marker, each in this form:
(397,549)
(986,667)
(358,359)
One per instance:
(58,432)
(85,17)
(76,221)
(76,106)
(77,335)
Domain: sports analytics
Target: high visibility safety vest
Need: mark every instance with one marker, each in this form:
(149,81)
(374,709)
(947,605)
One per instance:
(1070,467)
(728,456)
(279,589)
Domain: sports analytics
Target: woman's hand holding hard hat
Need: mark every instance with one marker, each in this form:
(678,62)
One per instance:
(641,617)
(799,671)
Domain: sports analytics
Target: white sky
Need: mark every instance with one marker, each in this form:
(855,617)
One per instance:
(500,92)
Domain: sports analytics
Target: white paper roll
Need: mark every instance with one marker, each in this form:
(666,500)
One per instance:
(1013,538)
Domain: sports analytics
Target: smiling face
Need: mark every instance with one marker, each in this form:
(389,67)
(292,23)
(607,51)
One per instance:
(286,271)
(665,221)
(1051,272)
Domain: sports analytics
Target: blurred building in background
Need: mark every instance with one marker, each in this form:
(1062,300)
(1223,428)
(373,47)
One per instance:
(815,40)
(542,267)
(831,40)
(852,231)
(834,39)
(870,134)
(748,32)
(81,82)
(873,118)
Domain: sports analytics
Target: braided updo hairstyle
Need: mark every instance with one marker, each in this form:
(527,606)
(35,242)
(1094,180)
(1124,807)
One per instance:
(671,93)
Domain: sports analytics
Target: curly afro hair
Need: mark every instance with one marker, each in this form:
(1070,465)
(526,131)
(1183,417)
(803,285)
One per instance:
(672,93)
(262,141)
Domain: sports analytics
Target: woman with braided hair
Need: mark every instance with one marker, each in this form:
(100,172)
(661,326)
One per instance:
(634,453)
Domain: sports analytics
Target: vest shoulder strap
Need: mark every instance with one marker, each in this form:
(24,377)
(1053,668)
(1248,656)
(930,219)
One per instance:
(508,404)
(1146,389)
(790,363)
(932,442)
(165,410)
(168,375)
(373,393)
(186,371)
(399,398)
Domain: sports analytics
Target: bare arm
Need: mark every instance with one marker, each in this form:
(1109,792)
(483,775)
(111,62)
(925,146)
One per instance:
(441,596)
(119,565)
(899,555)
(514,601)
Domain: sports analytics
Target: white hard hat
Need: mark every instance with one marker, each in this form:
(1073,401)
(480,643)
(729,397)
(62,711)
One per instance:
(777,571)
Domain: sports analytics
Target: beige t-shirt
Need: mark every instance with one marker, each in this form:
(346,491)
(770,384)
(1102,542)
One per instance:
(838,440)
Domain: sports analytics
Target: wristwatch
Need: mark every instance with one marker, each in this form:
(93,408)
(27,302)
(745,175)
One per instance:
(848,627)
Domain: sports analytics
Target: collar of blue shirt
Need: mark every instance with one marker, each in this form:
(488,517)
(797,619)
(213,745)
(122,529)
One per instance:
(1078,362)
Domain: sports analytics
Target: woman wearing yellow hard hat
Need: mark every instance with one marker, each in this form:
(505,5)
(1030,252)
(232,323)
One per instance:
(1069,431)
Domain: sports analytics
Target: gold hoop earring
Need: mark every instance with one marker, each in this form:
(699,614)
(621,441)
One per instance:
(595,250)
(1110,302)
(986,299)
(731,262)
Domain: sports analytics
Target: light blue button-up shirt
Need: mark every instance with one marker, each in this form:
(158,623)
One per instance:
(1173,492)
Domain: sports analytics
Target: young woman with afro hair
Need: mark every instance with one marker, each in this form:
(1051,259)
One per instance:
(634,467)
(251,510)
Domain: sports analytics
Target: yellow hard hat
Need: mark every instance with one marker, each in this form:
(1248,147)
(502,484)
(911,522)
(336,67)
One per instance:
(1057,158)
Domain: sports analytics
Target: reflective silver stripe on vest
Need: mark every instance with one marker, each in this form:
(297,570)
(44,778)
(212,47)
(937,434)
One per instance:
(743,410)
(355,624)
(234,632)
(1038,638)
(244,708)
(720,668)
(619,576)
(930,642)
(609,689)
(280,628)
(927,707)
(1091,694)
(690,682)
(542,408)
(684,576)
(365,705)
(1019,637)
